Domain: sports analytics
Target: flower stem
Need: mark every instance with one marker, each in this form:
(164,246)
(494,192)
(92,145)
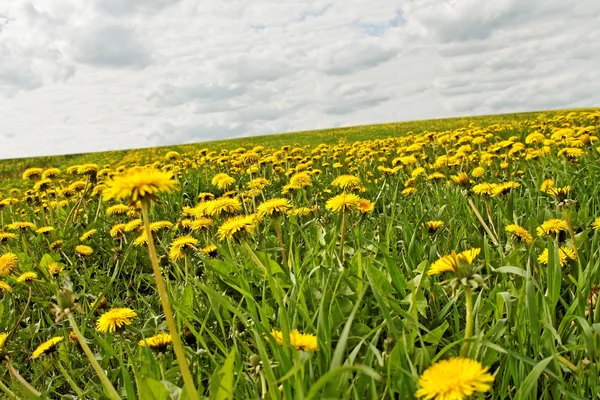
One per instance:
(9,393)
(72,383)
(164,299)
(464,351)
(110,389)
(343,233)
(280,237)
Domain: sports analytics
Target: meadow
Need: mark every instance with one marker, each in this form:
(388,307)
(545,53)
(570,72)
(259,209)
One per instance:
(445,259)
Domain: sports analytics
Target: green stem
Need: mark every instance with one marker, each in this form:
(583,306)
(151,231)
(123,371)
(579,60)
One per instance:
(280,237)
(343,232)
(464,351)
(164,299)
(72,383)
(8,392)
(110,389)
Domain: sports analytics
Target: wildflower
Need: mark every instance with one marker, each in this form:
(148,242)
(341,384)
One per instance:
(33,173)
(343,202)
(560,194)
(552,227)
(347,182)
(158,343)
(21,226)
(505,187)
(117,231)
(408,191)
(520,233)
(595,224)
(201,223)
(301,341)
(454,379)
(115,318)
(206,196)
(26,277)
(42,185)
(3,337)
(47,347)
(139,184)
(9,262)
(5,236)
(547,185)
(44,230)
(484,189)
(222,181)
(434,226)
(5,287)
(54,269)
(50,173)
(564,254)
(477,172)
(365,206)
(88,234)
(210,250)
(237,227)
(461,179)
(117,209)
(181,245)
(172,156)
(88,169)
(83,250)
(56,245)
(301,180)
(274,207)
(453,261)
(133,225)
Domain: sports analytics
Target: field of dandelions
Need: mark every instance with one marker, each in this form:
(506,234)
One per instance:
(445,259)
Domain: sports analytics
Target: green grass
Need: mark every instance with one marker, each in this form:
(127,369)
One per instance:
(379,318)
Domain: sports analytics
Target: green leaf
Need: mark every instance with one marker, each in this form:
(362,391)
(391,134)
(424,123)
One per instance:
(435,335)
(151,389)
(526,388)
(221,386)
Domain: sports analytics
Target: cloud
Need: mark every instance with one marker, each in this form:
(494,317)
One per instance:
(111,46)
(104,74)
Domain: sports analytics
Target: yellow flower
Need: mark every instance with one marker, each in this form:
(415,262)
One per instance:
(222,181)
(3,337)
(8,264)
(32,173)
(158,225)
(27,277)
(47,347)
(83,250)
(277,206)
(343,202)
(117,231)
(88,234)
(133,225)
(180,245)
(215,208)
(485,189)
(559,194)
(434,226)
(519,232)
(347,182)
(451,262)
(44,230)
(210,250)
(236,227)
(87,169)
(408,191)
(301,341)
(5,236)
(139,184)
(56,245)
(477,172)
(300,180)
(117,209)
(595,224)
(454,379)
(564,254)
(51,173)
(21,226)
(115,318)
(547,185)
(5,287)
(172,156)
(461,179)
(365,206)
(552,227)
(54,269)
(157,342)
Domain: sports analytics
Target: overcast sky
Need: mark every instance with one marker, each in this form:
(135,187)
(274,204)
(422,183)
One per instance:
(90,75)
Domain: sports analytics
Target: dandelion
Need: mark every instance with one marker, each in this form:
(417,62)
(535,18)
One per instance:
(343,202)
(158,343)
(181,245)
(88,235)
(461,179)
(454,379)
(552,227)
(117,209)
(21,226)
(347,182)
(115,318)
(222,181)
(237,227)
(5,287)
(56,245)
(27,277)
(47,347)
(139,184)
(54,269)
(44,230)
(564,254)
(83,250)
(6,236)
(434,226)
(365,206)
(301,341)
(520,233)
(3,337)
(274,207)
(9,263)
(223,206)
(32,173)
(210,250)
(547,185)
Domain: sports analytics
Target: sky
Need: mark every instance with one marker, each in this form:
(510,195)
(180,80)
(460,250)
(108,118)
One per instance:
(92,75)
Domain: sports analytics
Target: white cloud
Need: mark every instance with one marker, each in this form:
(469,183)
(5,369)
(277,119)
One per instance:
(107,74)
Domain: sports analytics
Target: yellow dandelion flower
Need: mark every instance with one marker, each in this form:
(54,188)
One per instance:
(210,250)
(159,225)
(547,185)
(454,379)
(47,347)
(564,254)
(236,227)
(33,173)
(44,230)
(117,231)
(552,227)
(139,184)
(21,226)
(461,179)
(485,189)
(301,180)
(9,263)
(117,209)
(595,225)
(347,182)
(87,169)
(409,191)
(6,236)
(115,318)
(88,234)
(520,233)
(50,173)
(133,225)
(3,337)
(215,208)
(343,202)
(477,172)
(434,226)
(451,262)
(301,341)
(275,207)
(222,181)
(365,206)
(56,245)
(83,250)
(54,269)
(181,245)
(5,287)
(158,343)
(26,277)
